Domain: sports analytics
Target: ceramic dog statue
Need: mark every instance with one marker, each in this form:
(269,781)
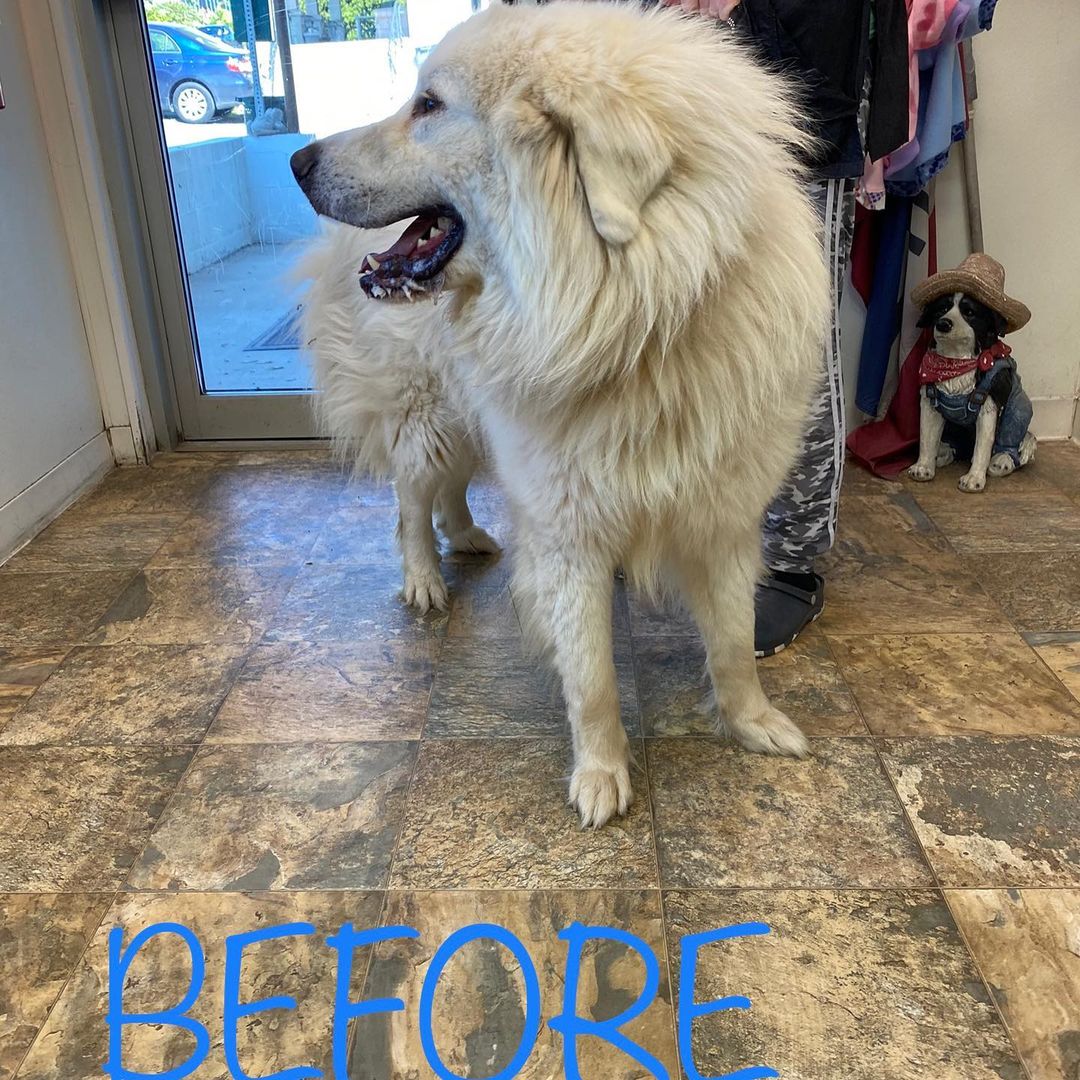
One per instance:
(972,404)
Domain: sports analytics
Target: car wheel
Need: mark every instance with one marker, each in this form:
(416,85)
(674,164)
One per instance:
(192,103)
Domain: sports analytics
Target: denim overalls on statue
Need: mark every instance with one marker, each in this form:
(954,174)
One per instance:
(961,410)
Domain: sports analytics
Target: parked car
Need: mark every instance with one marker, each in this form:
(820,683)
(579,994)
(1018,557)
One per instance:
(197,75)
(222,33)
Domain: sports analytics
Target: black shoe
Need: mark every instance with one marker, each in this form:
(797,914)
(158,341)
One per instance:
(782,611)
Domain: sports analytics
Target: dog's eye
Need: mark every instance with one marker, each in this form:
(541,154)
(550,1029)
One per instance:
(426,103)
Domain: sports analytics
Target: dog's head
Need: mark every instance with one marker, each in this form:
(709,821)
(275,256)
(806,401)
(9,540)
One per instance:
(962,325)
(555,156)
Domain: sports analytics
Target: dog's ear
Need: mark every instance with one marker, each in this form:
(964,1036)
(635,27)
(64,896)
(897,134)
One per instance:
(620,153)
(621,159)
(928,317)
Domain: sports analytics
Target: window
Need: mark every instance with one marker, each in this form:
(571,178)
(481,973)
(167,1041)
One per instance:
(160,42)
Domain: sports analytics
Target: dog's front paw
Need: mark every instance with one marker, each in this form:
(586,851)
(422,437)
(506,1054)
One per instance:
(424,590)
(598,794)
(769,733)
(921,472)
(474,541)
(972,482)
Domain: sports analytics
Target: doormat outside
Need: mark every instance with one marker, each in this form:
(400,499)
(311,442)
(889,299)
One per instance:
(284,334)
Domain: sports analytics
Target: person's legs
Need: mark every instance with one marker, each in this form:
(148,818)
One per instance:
(800,525)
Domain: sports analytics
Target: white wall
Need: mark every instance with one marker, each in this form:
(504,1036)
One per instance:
(52,435)
(1028,131)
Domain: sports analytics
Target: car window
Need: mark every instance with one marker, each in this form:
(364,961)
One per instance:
(161,42)
(196,39)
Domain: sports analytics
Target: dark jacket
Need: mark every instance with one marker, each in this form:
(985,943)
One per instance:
(824,46)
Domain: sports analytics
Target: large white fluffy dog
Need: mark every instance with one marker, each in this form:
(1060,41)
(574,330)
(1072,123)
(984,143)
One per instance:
(634,307)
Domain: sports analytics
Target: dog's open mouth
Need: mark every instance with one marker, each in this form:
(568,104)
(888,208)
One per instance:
(414,264)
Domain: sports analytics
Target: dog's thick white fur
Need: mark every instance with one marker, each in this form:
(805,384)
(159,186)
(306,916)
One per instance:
(635,319)
(393,404)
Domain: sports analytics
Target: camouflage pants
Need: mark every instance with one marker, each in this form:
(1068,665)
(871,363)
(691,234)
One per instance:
(801,522)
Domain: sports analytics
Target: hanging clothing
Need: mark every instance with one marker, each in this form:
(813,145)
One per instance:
(823,47)
(888,126)
(883,309)
(942,109)
(888,446)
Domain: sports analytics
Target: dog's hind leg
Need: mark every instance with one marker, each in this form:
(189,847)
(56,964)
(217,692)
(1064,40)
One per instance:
(454,518)
(719,591)
(574,596)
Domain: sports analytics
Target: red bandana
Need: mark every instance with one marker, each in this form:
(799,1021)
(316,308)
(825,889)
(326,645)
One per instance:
(936,368)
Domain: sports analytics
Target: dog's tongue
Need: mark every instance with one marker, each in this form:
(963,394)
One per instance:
(405,244)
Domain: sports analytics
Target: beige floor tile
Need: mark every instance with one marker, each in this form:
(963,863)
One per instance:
(1039,591)
(281,536)
(128,694)
(1061,653)
(345,692)
(1059,463)
(493,688)
(954,684)
(891,524)
(803,680)
(302,967)
(41,940)
(113,542)
(246,490)
(281,817)
(492,813)
(208,606)
(859,985)
(139,490)
(1043,521)
(359,536)
(356,603)
(1027,943)
(55,609)
(728,818)
(22,671)
(993,811)
(881,594)
(478,1012)
(480,612)
(76,818)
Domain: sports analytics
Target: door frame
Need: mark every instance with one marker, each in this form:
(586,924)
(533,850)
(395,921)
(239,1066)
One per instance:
(192,415)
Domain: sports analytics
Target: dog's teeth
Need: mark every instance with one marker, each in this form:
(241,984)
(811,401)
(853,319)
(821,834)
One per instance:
(444,224)
(436,234)
(371,263)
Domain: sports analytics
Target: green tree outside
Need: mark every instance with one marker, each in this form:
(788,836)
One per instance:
(351,10)
(187,14)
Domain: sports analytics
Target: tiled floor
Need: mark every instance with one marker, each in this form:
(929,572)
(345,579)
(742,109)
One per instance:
(214,712)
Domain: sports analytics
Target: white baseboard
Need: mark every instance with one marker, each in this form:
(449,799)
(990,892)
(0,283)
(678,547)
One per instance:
(31,510)
(1054,418)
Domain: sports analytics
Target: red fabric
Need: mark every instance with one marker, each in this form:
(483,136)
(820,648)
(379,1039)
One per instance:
(887,447)
(864,250)
(936,368)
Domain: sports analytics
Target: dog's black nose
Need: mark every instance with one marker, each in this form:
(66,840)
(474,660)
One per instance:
(942,326)
(303,164)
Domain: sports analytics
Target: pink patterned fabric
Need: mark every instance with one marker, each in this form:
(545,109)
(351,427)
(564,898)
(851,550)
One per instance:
(927,21)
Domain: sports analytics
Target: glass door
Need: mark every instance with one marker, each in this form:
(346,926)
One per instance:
(222,110)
